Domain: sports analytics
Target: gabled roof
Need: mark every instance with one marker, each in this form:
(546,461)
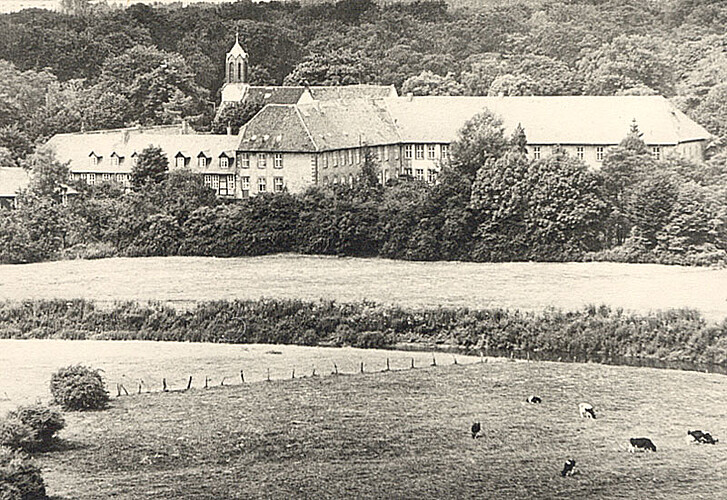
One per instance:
(277,127)
(276,95)
(548,120)
(341,124)
(12,180)
(237,49)
(319,126)
(328,93)
(75,148)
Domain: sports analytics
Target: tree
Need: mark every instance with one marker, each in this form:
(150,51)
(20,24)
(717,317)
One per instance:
(340,68)
(49,177)
(480,139)
(151,167)
(76,7)
(236,114)
(428,83)
(151,79)
(514,85)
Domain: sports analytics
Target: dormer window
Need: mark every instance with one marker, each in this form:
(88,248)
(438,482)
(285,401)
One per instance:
(201,161)
(93,159)
(180,161)
(224,162)
(115,159)
(134,159)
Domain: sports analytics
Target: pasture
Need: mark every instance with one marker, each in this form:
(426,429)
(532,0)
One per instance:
(405,434)
(527,286)
(26,366)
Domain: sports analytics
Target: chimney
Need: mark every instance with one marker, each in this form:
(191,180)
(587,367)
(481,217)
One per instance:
(409,96)
(229,130)
(185,128)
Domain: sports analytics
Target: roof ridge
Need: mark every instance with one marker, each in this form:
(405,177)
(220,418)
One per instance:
(305,126)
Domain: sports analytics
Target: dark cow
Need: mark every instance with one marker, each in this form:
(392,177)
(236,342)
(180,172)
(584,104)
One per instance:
(534,400)
(569,468)
(475,429)
(702,437)
(641,444)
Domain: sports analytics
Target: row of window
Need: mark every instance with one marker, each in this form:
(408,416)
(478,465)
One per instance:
(92,178)
(245,159)
(419,174)
(600,152)
(262,184)
(416,151)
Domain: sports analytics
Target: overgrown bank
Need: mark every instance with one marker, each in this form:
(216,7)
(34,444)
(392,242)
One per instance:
(592,332)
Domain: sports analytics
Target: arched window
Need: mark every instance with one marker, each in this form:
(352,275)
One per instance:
(239,71)
(231,75)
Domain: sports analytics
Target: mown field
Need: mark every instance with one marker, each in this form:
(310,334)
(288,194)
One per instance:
(405,434)
(527,286)
(26,366)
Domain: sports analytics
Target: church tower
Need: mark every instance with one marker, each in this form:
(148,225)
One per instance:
(236,63)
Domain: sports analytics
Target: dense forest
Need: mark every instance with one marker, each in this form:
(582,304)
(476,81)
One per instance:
(100,67)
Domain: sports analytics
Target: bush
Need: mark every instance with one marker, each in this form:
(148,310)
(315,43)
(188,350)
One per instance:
(19,477)
(16,435)
(79,388)
(34,425)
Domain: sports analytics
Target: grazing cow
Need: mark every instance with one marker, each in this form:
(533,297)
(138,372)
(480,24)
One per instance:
(475,429)
(641,444)
(586,410)
(569,468)
(702,437)
(534,399)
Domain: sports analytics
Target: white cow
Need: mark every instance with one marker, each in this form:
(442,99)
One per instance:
(586,410)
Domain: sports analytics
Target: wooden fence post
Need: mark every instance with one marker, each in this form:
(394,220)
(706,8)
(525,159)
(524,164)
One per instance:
(164,385)
(268,374)
(412,363)
(388,368)
(335,369)
(434,360)
(206,381)
(118,391)
(362,366)
(124,389)
(293,376)
(242,376)
(189,382)
(222,382)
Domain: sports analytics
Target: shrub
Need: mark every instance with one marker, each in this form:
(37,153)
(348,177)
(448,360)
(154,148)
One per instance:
(19,477)
(16,435)
(79,388)
(43,423)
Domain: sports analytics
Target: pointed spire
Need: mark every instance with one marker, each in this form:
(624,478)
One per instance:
(237,35)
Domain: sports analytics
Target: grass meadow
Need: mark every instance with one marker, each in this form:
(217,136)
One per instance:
(405,434)
(526,286)
(26,366)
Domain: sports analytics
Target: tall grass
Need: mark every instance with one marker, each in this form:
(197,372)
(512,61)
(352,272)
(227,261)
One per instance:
(591,333)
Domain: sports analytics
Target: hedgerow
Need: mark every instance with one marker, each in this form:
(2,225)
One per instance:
(589,333)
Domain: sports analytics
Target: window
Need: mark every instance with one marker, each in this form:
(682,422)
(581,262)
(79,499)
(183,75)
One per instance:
(231,72)
(121,178)
(341,158)
(432,176)
(245,160)
(278,160)
(91,180)
(358,156)
(134,159)
(579,152)
(106,177)
(599,153)
(115,161)
(278,184)
(239,71)
(245,183)
(224,162)
(93,160)
(420,174)
(227,185)
(408,172)
(201,161)
(408,149)
(431,151)
(386,153)
(445,151)
(325,160)
(350,156)
(536,152)
(262,161)
(419,151)
(261,184)
(179,162)
(656,152)
(334,159)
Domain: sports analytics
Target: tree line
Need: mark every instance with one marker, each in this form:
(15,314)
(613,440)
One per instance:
(93,66)
(492,203)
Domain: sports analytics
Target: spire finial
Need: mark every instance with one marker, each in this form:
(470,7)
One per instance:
(237,35)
